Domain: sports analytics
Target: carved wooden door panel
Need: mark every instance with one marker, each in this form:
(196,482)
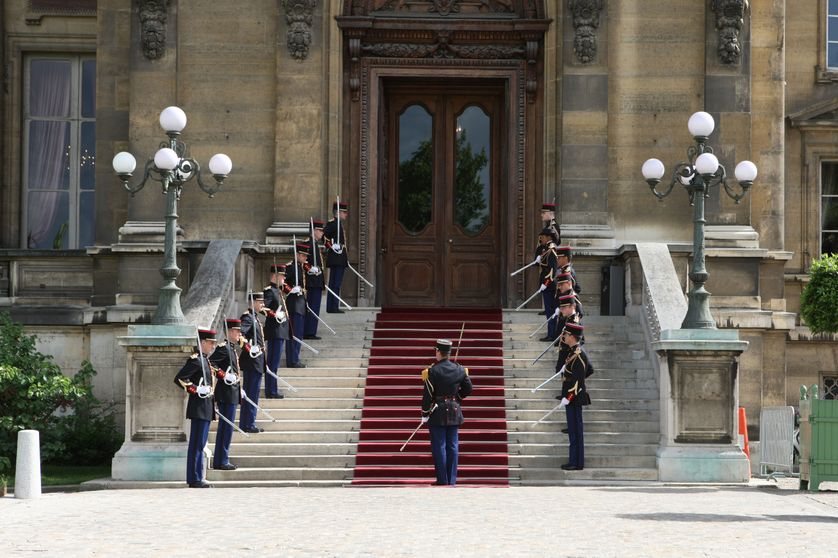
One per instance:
(441,217)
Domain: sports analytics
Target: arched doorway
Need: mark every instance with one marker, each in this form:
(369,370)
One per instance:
(442,144)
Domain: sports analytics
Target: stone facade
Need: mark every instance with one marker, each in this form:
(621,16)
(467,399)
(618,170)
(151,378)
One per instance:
(606,100)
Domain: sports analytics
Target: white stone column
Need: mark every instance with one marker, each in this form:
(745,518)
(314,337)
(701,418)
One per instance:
(28,465)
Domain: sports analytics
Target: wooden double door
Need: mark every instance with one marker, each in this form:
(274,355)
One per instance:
(441,216)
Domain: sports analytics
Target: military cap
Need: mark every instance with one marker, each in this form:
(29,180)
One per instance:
(318,224)
(564,277)
(564,251)
(548,207)
(547,232)
(575,330)
(257,295)
(206,334)
(444,345)
(303,248)
(234,323)
(277,268)
(567,300)
(343,206)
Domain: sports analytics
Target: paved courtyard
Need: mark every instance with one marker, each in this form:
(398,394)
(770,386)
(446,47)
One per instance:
(647,520)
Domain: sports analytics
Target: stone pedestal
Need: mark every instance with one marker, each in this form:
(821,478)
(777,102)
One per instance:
(155,428)
(699,387)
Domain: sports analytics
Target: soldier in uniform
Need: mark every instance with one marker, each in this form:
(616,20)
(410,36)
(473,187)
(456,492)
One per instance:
(295,298)
(563,256)
(547,265)
(564,286)
(548,217)
(196,378)
(574,395)
(336,254)
(315,281)
(252,360)
(277,329)
(446,384)
(225,359)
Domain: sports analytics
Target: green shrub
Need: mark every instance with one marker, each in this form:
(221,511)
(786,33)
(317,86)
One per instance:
(819,300)
(32,389)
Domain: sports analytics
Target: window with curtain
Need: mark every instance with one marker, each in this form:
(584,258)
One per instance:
(59,151)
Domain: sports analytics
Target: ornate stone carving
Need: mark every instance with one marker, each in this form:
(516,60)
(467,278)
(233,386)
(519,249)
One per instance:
(444,7)
(442,49)
(730,16)
(585,22)
(299,15)
(153,15)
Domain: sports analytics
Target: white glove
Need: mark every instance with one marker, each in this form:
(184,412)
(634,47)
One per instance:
(336,248)
(296,290)
(203,390)
(538,259)
(314,270)
(564,403)
(542,288)
(230,378)
(556,313)
(425,419)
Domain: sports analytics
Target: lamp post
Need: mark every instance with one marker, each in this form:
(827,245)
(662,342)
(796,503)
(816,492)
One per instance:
(701,173)
(172,167)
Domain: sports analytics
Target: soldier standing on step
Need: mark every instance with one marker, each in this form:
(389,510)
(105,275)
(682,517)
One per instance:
(548,217)
(563,257)
(295,298)
(315,281)
(446,385)
(547,265)
(227,394)
(252,361)
(197,380)
(574,395)
(336,254)
(277,329)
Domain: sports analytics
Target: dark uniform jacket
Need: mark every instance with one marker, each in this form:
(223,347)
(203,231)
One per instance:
(253,334)
(296,302)
(446,384)
(330,234)
(557,231)
(276,327)
(564,348)
(315,259)
(577,367)
(569,269)
(196,369)
(548,267)
(224,357)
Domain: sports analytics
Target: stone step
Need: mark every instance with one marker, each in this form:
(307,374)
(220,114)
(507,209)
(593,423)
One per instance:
(256,447)
(618,416)
(549,476)
(302,424)
(551,435)
(513,374)
(517,429)
(322,371)
(528,462)
(295,436)
(308,483)
(539,402)
(294,401)
(316,461)
(315,380)
(548,363)
(592,447)
(593,383)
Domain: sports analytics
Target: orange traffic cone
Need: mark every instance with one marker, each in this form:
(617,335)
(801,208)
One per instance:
(743,432)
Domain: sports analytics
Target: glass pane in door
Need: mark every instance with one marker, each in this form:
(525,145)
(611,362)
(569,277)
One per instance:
(472,184)
(416,167)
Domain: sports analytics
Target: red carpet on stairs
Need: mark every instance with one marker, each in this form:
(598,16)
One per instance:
(402,345)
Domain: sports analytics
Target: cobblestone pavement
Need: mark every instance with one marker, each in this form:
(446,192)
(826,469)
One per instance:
(642,520)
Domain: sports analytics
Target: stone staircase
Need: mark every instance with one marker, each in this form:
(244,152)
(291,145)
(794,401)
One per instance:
(622,428)
(314,439)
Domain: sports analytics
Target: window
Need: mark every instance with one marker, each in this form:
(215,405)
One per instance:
(830,386)
(59,151)
(832,35)
(829,208)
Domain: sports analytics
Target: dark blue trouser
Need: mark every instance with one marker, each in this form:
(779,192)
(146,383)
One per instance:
(292,352)
(549,298)
(198,434)
(251,384)
(314,298)
(221,455)
(274,358)
(445,446)
(574,431)
(335,280)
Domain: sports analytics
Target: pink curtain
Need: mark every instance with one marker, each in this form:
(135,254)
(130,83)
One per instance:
(48,146)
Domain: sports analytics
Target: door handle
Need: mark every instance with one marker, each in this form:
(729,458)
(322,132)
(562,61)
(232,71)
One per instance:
(383,249)
(450,241)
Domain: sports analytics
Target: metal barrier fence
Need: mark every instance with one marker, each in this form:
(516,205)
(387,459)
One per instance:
(776,440)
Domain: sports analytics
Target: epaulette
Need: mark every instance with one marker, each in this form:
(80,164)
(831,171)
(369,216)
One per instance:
(425,373)
(466,369)
(267,288)
(222,344)
(193,356)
